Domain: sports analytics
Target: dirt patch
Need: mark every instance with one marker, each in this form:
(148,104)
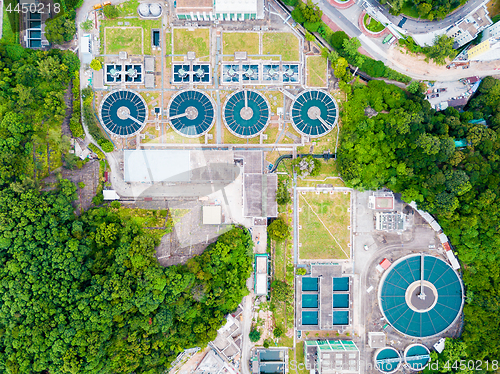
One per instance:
(88,175)
(403,61)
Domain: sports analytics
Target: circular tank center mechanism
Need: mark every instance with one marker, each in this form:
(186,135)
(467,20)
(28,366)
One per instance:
(246,113)
(123,112)
(132,73)
(421,296)
(314,112)
(191,112)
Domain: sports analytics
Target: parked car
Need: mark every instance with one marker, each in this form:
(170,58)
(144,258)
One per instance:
(366,247)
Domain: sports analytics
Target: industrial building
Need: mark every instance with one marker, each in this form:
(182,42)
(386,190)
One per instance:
(331,356)
(221,10)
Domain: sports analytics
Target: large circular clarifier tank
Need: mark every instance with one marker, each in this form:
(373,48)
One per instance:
(387,360)
(155,9)
(421,296)
(416,356)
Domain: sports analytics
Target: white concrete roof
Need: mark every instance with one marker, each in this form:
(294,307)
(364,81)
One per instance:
(212,215)
(236,6)
(156,165)
(261,284)
(110,195)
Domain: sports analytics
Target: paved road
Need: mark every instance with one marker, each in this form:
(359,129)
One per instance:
(246,322)
(420,27)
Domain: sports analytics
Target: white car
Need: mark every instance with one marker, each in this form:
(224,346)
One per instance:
(365,247)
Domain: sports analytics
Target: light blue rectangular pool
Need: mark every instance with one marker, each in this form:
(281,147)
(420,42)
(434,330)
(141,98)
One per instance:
(309,301)
(341,284)
(340,317)
(309,284)
(341,300)
(309,318)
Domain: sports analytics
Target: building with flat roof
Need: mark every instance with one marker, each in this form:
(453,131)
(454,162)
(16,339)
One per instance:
(261,274)
(390,221)
(223,10)
(331,356)
(212,215)
(270,361)
(383,200)
(469,27)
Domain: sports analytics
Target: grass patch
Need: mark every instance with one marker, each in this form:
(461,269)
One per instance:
(241,41)
(281,43)
(123,39)
(324,219)
(10,32)
(372,24)
(156,222)
(128,8)
(146,25)
(494,8)
(316,71)
(192,41)
(275,99)
(299,357)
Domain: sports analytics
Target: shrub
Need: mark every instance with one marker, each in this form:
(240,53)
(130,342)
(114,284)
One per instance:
(115,204)
(266,343)
(282,194)
(373,68)
(301,271)
(281,291)
(298,16)
(312,26)
(110,11)
(337,39)
(254,336)
(278,230)
(291,2)
(76,127)
(106,145)
(81,184)
(278,332)
(97,151)
(96,64)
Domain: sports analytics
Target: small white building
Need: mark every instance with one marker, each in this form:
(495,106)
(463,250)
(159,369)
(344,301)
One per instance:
(212,215)
(86,48)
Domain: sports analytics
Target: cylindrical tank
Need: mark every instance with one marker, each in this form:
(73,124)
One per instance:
(144,10)
(155,9)
(387,360)
(417,356)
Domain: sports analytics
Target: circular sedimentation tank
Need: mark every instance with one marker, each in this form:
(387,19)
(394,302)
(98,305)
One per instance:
(421,296)
(314,113)
(387,360)
(123,113)
(246,113)
(417,356)
(191,113)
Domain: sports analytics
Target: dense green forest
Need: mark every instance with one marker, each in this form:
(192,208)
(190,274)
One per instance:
(410,148)
(86,294)
(429,9)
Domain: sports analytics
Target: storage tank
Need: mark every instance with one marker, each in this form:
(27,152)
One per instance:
(155,10)
(417,356)
(144,10)
(387,360)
